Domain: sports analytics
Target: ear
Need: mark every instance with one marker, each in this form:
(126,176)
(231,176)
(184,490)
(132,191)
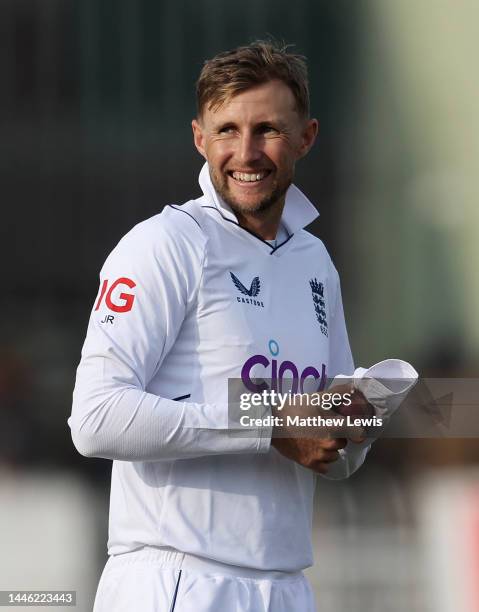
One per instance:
(198,137)
(308,136)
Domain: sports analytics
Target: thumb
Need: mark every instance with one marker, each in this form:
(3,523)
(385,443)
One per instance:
(357,435)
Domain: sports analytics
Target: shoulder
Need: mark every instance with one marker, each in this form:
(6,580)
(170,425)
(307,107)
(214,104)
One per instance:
(175,223)
(175,232)
(176,226)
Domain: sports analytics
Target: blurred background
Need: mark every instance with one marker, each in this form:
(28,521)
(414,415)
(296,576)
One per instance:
(96,100)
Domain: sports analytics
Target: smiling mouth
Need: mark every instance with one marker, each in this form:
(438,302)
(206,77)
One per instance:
(249,177)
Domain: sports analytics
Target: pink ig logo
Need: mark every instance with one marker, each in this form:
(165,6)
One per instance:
(277,372)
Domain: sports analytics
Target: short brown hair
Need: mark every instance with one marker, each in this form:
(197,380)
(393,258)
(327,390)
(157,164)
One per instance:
(231,72)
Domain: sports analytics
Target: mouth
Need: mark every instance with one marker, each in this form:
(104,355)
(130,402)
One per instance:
(249,178)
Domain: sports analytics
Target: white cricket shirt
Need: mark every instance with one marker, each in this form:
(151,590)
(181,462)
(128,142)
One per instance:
(187,300)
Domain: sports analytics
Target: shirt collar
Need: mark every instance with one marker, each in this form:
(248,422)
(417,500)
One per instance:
(297,213)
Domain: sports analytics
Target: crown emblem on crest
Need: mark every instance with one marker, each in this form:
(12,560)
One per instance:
(319,303)
(317,287)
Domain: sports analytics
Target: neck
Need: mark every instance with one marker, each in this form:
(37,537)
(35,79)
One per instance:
(264,224)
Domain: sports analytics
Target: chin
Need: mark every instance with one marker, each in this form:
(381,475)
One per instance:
(260,203)
(249,207)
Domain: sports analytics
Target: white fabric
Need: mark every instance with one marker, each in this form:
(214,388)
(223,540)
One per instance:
(179,478)
(163,581)
(385,384)
(385,399)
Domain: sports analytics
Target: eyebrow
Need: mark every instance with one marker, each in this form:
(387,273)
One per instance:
(223,124)
(273,122)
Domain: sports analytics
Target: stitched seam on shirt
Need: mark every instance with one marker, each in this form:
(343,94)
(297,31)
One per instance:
(186,213)
(273,249)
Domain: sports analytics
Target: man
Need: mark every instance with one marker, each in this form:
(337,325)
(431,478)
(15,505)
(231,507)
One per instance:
(226,286)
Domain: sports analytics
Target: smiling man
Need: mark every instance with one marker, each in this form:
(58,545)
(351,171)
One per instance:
(251,140)
(207,516)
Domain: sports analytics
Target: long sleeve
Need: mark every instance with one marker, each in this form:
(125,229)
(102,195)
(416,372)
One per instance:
(147,286)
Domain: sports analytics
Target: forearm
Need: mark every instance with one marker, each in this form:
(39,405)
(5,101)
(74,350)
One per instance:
(129,424)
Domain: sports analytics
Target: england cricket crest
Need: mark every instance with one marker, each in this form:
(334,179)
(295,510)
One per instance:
(317,290)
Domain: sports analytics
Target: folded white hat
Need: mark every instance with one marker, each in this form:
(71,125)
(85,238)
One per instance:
(385,384)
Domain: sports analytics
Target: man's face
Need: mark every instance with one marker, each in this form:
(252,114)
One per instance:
(252,143)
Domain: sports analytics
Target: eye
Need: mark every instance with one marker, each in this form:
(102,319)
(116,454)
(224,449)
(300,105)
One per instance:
(267,129)
(226,129)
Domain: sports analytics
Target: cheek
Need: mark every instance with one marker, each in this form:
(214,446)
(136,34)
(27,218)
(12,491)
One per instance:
(218,151)
(281,152)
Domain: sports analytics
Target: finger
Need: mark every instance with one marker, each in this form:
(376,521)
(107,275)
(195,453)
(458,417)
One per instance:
(333,443)
(328,456)
(354,432)
(359,406)
(358,440)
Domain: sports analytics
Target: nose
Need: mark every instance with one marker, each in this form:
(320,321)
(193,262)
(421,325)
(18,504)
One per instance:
(249,149)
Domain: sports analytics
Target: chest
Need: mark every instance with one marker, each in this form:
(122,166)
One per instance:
(264,315)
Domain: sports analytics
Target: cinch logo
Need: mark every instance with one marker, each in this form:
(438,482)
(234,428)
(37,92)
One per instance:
(276,372)
(127,299)
(252,292)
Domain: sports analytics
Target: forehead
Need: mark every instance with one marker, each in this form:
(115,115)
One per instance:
(265,102)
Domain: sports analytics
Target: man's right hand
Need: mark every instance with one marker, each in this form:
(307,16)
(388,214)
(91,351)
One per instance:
(314,448)
(313,453)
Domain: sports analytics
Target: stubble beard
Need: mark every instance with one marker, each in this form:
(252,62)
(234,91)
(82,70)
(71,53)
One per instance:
(268,201)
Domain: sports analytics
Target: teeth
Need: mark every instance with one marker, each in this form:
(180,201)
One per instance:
(248,178)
